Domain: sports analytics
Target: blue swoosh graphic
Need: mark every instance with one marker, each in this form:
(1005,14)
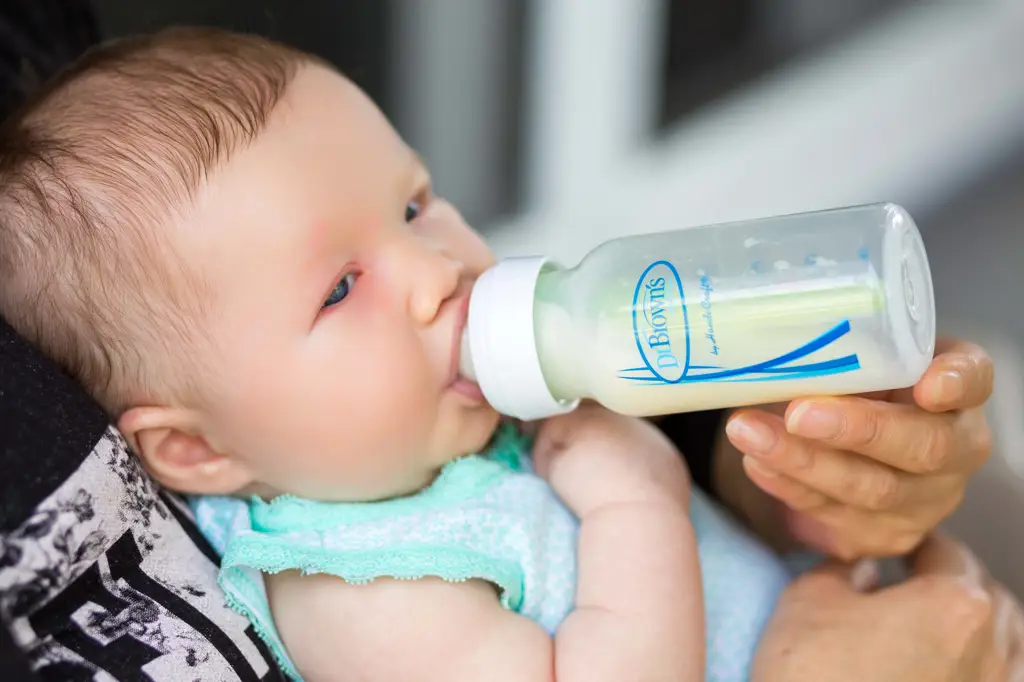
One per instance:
(773,366)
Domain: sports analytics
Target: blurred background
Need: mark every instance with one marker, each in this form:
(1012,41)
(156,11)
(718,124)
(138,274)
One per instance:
(556,124)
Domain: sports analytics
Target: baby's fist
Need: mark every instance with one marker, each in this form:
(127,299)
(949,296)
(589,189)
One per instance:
(593,457)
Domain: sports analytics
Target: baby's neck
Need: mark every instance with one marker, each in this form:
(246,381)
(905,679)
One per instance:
(260,490)
(267,492)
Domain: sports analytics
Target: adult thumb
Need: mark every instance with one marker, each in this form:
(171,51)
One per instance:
(833,577)
(951,583)
(941,555)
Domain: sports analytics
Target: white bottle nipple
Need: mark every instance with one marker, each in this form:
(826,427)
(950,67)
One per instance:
(466,368)
(499,349)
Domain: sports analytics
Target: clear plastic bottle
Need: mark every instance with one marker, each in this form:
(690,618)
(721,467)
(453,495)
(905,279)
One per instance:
(823,303)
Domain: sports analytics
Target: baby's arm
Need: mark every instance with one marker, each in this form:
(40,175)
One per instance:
(639,612)
(426,630)
(638,608)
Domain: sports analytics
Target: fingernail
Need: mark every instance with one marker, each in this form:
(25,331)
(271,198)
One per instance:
(947,387)
(864,575)
(761,469)
(751,436)
(812,420)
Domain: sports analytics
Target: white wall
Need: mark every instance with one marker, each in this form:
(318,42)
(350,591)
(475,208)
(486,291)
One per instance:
(908,110)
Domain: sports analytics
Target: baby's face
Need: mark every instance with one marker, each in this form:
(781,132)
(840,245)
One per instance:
(342,287)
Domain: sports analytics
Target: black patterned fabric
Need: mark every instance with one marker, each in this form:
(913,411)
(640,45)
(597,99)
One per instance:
(102,575)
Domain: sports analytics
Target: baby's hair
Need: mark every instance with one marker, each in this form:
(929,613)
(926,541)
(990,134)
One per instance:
(92,171)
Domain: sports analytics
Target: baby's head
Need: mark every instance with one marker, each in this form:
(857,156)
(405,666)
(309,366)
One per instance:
(226,242)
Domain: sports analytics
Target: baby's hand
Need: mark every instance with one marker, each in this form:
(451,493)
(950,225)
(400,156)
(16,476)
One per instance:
(593,457)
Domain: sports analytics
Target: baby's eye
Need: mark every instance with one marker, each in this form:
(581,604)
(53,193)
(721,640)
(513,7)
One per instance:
(340,291)
(412,210)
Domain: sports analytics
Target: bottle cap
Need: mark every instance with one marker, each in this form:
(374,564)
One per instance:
(503,344)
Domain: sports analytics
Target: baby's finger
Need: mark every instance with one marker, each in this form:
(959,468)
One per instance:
(959,378)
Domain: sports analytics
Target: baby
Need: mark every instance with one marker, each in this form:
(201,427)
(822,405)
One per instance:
(230,246)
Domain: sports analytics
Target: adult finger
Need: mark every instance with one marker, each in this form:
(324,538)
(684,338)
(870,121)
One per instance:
(790,492)
(834,474)
(899,435)
(848,532)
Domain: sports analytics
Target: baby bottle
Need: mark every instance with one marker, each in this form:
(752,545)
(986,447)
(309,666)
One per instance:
(823,303)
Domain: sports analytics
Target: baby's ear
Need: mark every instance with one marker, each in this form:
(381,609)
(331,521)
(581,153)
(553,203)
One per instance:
(174,450)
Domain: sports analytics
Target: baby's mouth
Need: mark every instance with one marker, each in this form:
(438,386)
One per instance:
(468,389)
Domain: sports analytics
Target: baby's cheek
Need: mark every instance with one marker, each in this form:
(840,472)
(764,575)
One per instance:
(342,421)
(400,403)
(380,397)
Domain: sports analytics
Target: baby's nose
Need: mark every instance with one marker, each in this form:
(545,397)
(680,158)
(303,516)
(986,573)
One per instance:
(433,283)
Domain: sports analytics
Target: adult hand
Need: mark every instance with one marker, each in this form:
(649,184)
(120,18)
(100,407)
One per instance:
(871,475)
(949,622)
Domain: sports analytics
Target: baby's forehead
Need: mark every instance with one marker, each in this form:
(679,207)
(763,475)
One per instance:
(322,106)
(326,144)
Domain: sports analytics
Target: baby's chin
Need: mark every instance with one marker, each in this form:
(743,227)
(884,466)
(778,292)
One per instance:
(471,436)
(474,432)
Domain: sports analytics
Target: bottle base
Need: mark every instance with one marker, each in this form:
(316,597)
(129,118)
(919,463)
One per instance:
(909,292)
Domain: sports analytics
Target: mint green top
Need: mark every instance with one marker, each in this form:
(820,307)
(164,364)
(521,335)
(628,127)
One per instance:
(485,517)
